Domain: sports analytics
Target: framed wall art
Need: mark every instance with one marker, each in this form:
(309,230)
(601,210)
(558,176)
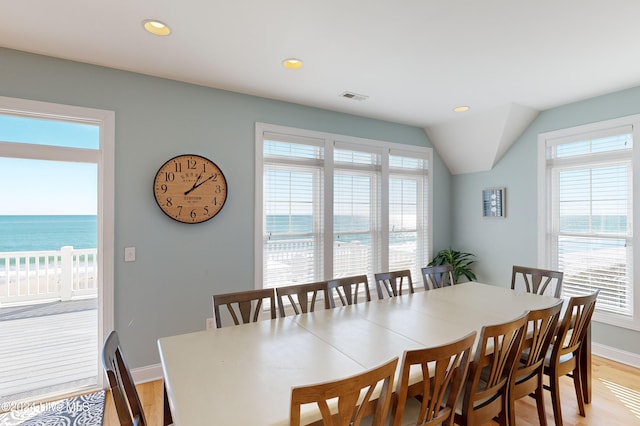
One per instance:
(493,202)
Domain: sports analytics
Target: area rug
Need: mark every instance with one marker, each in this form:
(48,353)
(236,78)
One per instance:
(83,410)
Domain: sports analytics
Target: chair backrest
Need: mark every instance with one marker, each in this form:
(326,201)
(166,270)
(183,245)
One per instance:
(348,289)
(348,405)
(298,297)
(486,390)
(527,376)
(574,325)
(537,280)
(444,371)
(247,304)
(437,276)
(390,284)
(541,329)
(123,390)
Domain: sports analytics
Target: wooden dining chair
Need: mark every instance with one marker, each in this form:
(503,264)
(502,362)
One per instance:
(121,385)
(443,373)
(348,401)
(527,377)
(390,284)
(348,289)
(565,351)
(244,305)
(537,280)
(298,297)
(486,393)
(437,276)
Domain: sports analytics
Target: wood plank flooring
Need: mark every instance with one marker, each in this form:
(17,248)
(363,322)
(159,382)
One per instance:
(48,348)
(616,400)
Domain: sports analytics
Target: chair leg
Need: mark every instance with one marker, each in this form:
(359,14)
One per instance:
(539,395)
(512,411)
(502,417)
(555,399)
(577,384)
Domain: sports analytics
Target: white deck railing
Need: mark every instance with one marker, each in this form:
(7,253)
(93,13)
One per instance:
(38,276)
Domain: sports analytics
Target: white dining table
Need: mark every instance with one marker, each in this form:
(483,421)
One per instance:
(243,375)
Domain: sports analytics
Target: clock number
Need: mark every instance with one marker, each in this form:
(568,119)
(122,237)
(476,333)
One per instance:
(215,201)
(214,177)
(191,164)
(169,202)
(178,167)
(218,189)
(206,210)
(169,176)
(164,188)
(193,214)
(179,210)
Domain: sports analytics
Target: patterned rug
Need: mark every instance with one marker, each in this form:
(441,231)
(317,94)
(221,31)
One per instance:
(84,410)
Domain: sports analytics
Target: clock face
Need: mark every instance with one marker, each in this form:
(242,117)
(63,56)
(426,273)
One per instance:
(190,188)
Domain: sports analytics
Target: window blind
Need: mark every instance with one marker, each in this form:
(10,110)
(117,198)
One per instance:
(356,212)
(323,204)
(408,214)
(591,216)
(293,213)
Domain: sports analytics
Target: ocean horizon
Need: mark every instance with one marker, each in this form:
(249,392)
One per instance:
(47,232)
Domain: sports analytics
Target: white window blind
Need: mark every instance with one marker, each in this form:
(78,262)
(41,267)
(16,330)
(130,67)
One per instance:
(330,206)
(293,212)
(356,213)
(591,231)
(408,214)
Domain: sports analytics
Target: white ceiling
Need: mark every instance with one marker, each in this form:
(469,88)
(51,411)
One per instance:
(414,59)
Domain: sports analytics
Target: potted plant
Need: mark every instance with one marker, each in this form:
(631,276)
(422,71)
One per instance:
(460,261)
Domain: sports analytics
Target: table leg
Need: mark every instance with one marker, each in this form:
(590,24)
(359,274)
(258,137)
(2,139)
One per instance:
(167,418)
(585,366)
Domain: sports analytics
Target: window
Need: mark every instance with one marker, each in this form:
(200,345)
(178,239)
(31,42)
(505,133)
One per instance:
(409,241)
(57,238)
(586,188)
(330,206)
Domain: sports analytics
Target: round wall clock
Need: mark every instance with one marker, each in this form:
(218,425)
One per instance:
(190,188)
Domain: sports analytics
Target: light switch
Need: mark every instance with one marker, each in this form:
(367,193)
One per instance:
(129,254)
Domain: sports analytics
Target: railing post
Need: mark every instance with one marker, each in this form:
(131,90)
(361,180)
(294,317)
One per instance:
(67,272)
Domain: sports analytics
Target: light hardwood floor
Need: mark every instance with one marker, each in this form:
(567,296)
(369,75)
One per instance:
(616,400)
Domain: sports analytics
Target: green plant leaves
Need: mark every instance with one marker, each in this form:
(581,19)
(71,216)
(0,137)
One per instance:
(460,261)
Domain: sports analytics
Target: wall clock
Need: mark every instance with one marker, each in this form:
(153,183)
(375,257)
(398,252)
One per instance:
(190,188)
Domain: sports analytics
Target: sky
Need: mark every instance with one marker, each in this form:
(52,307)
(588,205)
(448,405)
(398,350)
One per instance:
(38,187)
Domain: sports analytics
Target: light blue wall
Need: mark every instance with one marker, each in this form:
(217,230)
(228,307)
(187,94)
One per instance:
(501,243)
(178,267)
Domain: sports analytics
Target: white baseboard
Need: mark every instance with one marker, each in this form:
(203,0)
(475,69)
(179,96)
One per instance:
(147,374)
(614,354)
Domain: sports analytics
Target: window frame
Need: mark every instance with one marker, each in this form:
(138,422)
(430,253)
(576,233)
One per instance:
(547,258)
(104,158)
(340,142)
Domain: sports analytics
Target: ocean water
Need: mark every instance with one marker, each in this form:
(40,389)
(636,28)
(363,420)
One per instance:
(40,233)
(281,227)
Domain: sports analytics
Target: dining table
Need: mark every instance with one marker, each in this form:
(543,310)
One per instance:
(243,375)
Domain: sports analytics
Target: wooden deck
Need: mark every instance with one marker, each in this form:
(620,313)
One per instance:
(47,349)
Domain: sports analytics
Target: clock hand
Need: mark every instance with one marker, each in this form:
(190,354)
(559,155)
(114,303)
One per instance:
(199,184)
(195,184)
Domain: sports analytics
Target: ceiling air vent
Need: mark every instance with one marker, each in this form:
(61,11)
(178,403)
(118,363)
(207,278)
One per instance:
(354,96)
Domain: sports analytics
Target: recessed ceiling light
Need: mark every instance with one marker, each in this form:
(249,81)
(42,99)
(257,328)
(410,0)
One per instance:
(461,108)
(156,27)
(292,63)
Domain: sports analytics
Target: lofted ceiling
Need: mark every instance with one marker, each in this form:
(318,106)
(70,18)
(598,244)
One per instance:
(413,60)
